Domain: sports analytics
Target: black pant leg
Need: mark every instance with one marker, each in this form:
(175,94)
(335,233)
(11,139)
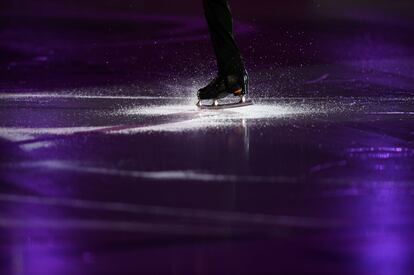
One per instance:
(220,24)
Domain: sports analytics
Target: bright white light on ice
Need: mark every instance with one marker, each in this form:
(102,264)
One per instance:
(260,111)
(257,111)
(160,110)
(155,113)
(191,118)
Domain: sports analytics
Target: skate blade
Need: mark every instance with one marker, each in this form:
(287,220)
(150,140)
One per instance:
(226,106)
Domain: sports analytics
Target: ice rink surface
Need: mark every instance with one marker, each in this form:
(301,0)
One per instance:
(107,166)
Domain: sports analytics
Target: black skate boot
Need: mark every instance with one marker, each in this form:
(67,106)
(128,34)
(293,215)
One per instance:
(224,86)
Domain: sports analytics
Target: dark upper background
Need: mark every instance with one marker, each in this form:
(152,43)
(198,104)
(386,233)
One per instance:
(246,9)
(68,43)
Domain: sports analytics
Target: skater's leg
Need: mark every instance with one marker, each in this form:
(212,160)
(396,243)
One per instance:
(232,77)
(219,20)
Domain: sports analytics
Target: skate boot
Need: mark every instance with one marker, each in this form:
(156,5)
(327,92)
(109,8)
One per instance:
(224,86)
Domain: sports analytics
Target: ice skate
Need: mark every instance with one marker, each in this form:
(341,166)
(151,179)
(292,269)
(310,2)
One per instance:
(236,86)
